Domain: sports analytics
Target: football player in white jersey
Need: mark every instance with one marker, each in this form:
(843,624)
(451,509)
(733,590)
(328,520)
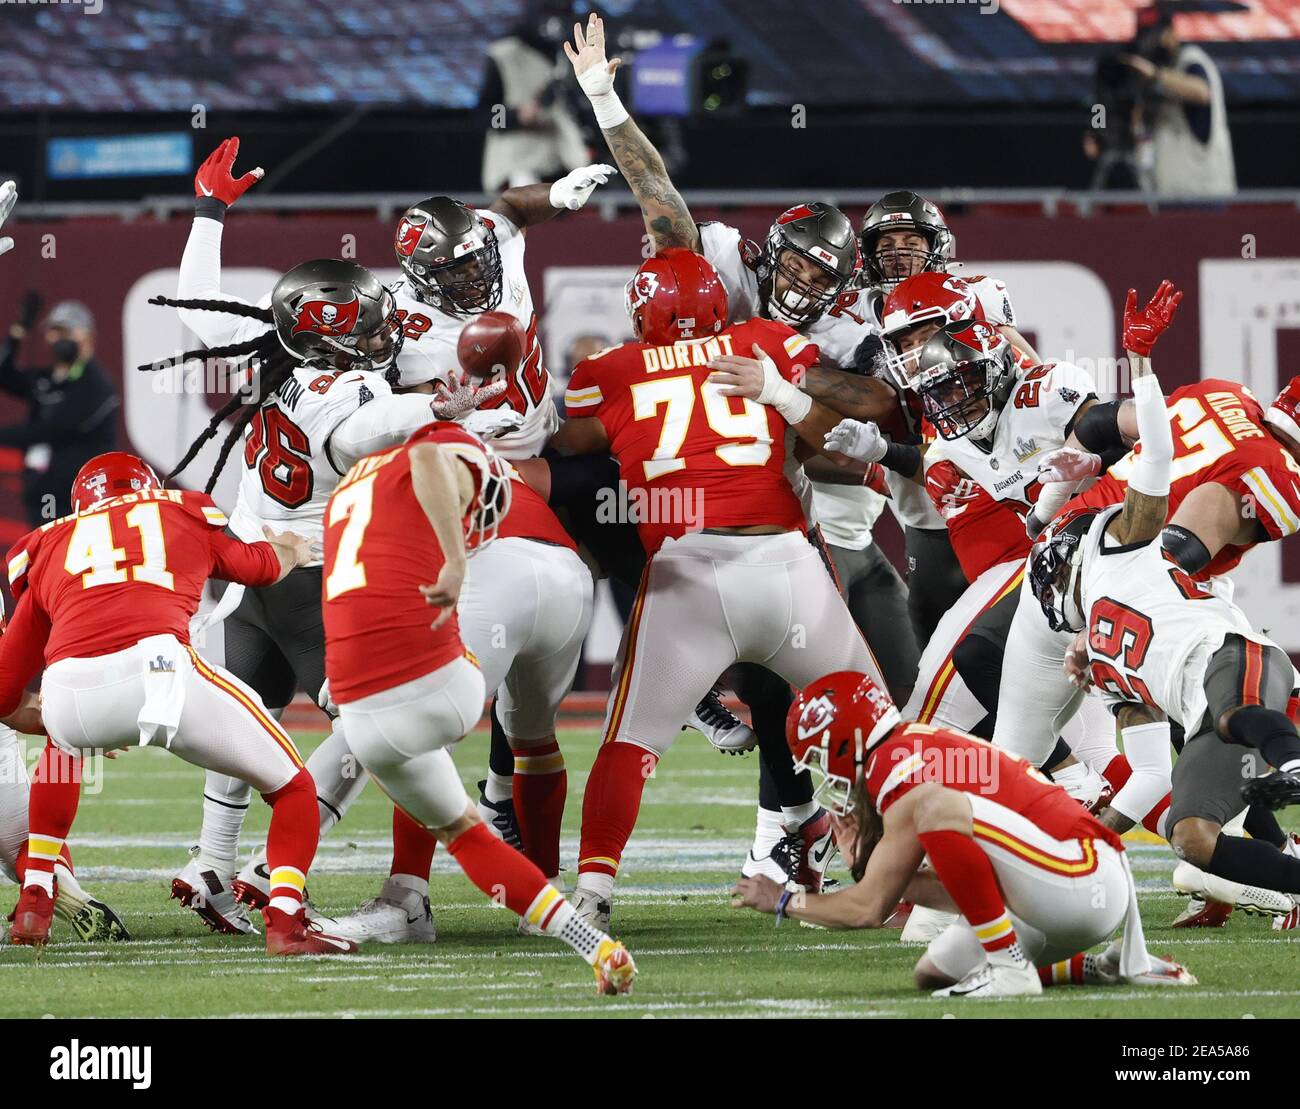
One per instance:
(285,646)
(807,262)
(1163,647)
(92,919)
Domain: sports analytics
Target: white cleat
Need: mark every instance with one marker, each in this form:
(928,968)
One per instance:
(596,911)
(925,925)
(90,918)
(1002,978)
(1188,879)
(720,726)
(397,915)
(211,896)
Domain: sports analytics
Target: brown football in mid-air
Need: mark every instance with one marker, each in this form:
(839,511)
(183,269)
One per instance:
(491,344)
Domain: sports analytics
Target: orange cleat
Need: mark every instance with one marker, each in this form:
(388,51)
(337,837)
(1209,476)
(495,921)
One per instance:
(291,935)
(32,918)
(614,969)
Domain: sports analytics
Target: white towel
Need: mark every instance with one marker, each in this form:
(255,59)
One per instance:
(1133,956)
(165,671)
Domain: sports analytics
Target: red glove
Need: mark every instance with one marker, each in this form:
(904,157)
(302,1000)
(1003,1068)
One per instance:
(1142,329)
(216,179)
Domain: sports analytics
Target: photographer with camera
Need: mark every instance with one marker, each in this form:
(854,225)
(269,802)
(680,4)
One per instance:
(1166,120)
(72,406)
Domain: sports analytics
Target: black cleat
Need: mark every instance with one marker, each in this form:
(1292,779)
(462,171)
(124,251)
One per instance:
(1274,791)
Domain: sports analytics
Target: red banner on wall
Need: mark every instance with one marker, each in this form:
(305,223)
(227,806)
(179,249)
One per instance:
(1067,276)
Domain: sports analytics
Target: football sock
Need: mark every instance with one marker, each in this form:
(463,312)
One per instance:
(1253,862)
(413,848)
(1262,824)
(1078,970)
(501,763)
(799,814)
(291,840)
(768,831)
(1269,732)
(51,809)
(967,875)
(541,786)
(225,803)
(609,809)
(501,872)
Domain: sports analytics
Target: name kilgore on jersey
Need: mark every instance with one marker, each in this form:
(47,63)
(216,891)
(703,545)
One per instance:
(1151,628)
(1040,407)
(429,351)
(287,474)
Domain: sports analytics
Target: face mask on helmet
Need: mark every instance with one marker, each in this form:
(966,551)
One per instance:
(902,352)
(376,352)
(466,286)
(958,400)
(900,253)
(799,289)
(1055,564)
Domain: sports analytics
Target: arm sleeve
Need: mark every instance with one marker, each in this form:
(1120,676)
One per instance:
(254,564)
(200,279)
(1150,474)
(22,652)
(383,422)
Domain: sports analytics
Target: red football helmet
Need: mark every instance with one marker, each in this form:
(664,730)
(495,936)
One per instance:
(492,479)
(832,726)
(1284,412)
(676,295)
(111,475)
(926,298)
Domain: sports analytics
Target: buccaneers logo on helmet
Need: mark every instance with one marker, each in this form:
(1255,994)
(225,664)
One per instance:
(324,317)
(408,236)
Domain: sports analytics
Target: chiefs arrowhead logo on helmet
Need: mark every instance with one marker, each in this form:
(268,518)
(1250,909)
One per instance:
(641,289)
(324,317)
(816,717)
(408,236)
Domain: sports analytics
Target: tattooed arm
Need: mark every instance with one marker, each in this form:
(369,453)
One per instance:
(852,395)
(666,216)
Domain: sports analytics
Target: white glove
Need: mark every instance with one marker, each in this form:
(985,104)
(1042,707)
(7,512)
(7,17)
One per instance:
(324,699)
(450,402)
(493,423)
(1068,464)
(574,189)
(862,441)
(8,198)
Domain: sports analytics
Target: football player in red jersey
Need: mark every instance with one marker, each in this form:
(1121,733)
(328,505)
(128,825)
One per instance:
(104,600)
(523,611)
(407,690)
(728,558)
(1037,881)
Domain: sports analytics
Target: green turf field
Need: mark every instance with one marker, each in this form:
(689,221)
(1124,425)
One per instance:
(697,956)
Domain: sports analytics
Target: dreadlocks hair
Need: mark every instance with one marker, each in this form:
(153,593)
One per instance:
(273,365)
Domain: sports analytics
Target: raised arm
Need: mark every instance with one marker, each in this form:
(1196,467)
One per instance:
(666,216)
(215,189)
(1146,501)
(528,205)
